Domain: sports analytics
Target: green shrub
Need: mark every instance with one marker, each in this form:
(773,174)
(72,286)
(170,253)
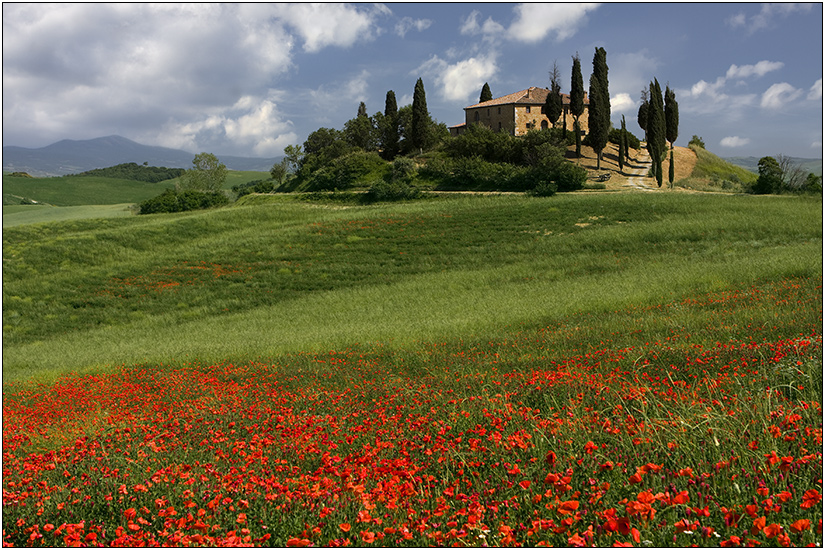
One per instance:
(257,186)
(543,189)
(359,168)
(383,191)
(172,200)
(403,170)
(632,141)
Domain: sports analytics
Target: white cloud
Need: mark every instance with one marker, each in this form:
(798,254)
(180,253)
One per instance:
(408,23)
(344,95)
(535,21)
(621,103)
(322,25)
(815,92)
(767,15)
(734,141)
(489,28)
(779,95)
(459,81)
(760,69)
(252,124)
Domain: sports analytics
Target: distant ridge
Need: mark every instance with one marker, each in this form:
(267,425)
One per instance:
(74,156)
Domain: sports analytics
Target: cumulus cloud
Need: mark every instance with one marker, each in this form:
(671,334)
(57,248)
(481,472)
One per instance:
(815,93)
(716,97)
(759,69)
(322,25)
(489,28)
(734,141)
(90,70)
(621,103)
(460,80)
(534,22)
(768,13)
(406,24)
(779,95)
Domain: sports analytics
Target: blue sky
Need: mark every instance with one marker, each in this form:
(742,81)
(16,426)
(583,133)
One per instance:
(250,79)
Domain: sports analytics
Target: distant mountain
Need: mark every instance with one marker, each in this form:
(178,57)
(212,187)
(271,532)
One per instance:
(71,157)
(752,164)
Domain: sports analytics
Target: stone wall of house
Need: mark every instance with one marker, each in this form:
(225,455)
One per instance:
(514,119)
(536,117)
(497,117)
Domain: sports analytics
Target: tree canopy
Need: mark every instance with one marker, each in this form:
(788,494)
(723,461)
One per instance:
(207,174)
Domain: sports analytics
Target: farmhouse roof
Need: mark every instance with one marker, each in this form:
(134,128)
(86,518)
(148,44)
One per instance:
(531,96)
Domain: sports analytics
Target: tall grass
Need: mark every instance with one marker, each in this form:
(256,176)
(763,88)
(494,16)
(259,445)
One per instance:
(271,278)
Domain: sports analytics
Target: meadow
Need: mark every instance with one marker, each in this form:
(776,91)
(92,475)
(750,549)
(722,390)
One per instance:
(617,369)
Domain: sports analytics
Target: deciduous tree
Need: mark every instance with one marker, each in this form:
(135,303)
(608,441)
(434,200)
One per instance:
(207,174)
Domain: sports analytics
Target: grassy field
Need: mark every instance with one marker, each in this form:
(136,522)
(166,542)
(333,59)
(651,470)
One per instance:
(626,368)
(92,190)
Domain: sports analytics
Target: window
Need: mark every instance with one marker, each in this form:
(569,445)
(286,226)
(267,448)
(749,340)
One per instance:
(499,110)
(528,108)
(543,110)
(488,111)
(544,125)
(499,125)
(476,116)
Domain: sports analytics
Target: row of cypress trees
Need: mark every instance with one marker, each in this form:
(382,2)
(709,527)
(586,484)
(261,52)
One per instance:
(659,118)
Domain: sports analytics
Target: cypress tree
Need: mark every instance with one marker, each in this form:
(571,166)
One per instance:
(656,129)
(553,103)
(577,101)
(362,109)
(599,116)
(390,133)
(621,147)
(486,94)
(420,116)
(641,116)
(671,125)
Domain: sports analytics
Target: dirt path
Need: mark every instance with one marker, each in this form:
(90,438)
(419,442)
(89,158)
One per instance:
(638,173)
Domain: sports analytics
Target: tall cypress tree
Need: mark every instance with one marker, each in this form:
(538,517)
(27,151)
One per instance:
(420,116)
(621,147)
(671,126)
(656,129)
(577,101)
(599,116)
(486,94)
(390,133)
(553,103)
(641,116)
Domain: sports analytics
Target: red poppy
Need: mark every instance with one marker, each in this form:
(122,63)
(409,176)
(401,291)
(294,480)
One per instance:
(811,498)
(800,525)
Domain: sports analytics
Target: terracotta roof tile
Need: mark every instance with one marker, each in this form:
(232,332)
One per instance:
(530,96)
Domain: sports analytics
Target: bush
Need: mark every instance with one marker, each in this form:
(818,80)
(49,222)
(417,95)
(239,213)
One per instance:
(403,170)
(383,191)
(182,201)
(543,189)
(257,186)
(133,171)
(632,141)
(358,167)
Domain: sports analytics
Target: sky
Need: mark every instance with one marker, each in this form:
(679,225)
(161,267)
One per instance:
(250,79)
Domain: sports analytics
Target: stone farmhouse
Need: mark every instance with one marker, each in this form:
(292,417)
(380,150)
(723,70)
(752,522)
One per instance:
(519,112)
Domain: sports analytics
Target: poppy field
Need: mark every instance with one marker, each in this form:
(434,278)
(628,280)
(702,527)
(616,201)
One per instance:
(614,370)
(674,442)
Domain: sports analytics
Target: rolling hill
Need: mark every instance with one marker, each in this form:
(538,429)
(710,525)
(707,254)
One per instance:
(73,156)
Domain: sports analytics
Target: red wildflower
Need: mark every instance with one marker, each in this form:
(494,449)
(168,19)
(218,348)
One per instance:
(800,525)
(811,498)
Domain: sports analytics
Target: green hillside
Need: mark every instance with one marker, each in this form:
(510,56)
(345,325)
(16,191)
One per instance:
(78,190)
(274,275)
